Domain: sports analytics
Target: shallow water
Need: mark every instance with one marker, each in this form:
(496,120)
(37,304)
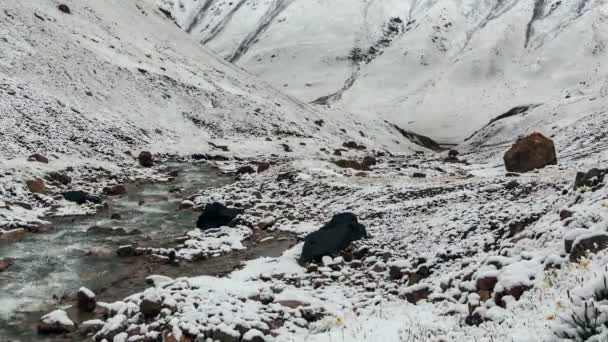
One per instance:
(47,266)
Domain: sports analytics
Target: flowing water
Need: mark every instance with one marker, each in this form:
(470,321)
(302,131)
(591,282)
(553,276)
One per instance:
(48,268)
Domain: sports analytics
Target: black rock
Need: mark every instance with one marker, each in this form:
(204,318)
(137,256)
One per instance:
(245,170)
(333,237)
(59,177)
(64,8)
(216,215)
(81,197)
(145,159)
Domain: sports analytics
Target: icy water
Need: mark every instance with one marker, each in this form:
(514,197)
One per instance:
(48,268)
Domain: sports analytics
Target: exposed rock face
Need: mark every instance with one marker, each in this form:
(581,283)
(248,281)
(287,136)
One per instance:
(333,237)
(245,170)
(145,159)
(216,215)
(532,152)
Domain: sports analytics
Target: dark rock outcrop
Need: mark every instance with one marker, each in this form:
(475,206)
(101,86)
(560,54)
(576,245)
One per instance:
(532,152)
(592,178)
(216,215)
(592,243)
(37,157)
(145,159)
(333,237)
(245,170)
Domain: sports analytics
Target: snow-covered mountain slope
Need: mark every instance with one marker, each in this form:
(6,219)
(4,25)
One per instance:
(118,75)
(442,68)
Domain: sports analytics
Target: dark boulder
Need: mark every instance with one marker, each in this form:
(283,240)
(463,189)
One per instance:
(532,152)
(245,170)
(145,159)
(263,166)
(592,178)
(81,197)
(86,300)
(59,177)
(369,161)
(115,190)
(37,157)
(64,8)
(592,243)
(333,237)
(216,215)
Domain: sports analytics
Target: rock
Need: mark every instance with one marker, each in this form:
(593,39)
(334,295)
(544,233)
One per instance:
(145,159)
(516,292)
(36,186)
(37,157)
(332,238)
(126,251)
(351,164)
(263,166)
(115,216)
(86,300)
(90,327)
(59,177)
(453,153)
(267,222)
(245,170)
(115,190)
(56,322)
(532,152)
(155,280)
(592,178)
(150,306)
(418,175)
(486,283)
(338,153)
(13,234)
(253,335)
(216,215)
(395,272)
(107,231)
(512,185)
(186,204)
(81,197)
(353,145)
(4,264)
(565,214)
(369,161)
(23,205)
(64,8)
(416,293)
(591,243)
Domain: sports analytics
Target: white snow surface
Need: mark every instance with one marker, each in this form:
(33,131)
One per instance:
(441,68)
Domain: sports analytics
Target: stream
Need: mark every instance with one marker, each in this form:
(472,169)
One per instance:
(47,269)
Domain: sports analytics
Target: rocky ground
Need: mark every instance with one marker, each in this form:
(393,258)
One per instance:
(455,251)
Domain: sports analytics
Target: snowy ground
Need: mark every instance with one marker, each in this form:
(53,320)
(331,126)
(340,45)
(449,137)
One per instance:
(442,68)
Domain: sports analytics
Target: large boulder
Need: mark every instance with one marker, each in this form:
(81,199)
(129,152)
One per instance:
(216,215)
(36,186)
(532,152)
(333,237)
(86,300)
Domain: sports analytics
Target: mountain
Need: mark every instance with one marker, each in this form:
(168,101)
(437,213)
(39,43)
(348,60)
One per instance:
(441,68)
(87,81)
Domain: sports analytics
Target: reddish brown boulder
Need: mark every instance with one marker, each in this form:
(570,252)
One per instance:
(36,186)
(532,152)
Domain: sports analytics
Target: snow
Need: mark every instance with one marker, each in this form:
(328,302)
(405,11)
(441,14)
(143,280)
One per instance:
(57,317)
(88,293)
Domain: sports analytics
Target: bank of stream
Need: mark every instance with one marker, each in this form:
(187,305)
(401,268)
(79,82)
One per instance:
(47,269)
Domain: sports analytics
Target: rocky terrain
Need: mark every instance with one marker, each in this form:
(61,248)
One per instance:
(306,223)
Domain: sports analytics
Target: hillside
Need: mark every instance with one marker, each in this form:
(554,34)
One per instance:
(440,68)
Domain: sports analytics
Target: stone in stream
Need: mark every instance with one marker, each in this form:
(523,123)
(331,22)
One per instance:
(56,322)
(12,235)
(4,264)
(532,152)
(86,300)
(333,237)
(115,190)
(216,215)
(81,197)
(151,304)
